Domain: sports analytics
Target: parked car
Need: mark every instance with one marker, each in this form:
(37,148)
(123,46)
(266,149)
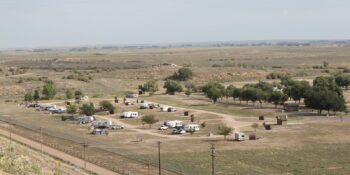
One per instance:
(163,127)
(178,131)
(116,126)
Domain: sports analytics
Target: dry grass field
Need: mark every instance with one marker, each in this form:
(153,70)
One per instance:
(308,144)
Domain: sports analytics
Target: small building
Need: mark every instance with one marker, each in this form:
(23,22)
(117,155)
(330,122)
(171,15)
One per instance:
(239,136)
(282,119)
(291,107)
(130,114)
(190,127)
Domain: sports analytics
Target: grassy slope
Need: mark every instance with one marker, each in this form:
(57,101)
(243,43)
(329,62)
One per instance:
(308,160)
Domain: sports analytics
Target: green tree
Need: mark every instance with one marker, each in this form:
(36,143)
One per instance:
(71,109)
(172,86)
(277,98)
(36,95)
(299,90)
(87,109)
(149,119)
(151,86)
(225,130)
(106,105)
(325,100)
(69,94)
(343,80)
(28,97)
(326,83)
(183,74)
(78,94)
(214,94)
(49,90)
(188,92)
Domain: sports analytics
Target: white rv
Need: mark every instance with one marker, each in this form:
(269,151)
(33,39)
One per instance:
(130,114)
(190,127)
(174,123)
(239,136)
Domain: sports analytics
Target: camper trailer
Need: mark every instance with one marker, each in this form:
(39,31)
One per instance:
(130,114)
(167,109)
(144,106)
(190,127)
(239,136)
(101,124)
(85,119)
(174,123)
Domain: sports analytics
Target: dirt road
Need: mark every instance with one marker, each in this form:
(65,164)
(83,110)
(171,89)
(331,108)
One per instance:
(58,154)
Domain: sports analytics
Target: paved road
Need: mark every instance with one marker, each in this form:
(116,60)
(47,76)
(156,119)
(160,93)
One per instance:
(59,154)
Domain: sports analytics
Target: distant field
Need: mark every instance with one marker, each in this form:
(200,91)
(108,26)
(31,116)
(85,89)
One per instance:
(309,144)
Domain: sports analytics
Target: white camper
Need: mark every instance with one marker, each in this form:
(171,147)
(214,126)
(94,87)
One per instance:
(130,114)
(190,127)
(174,123)
(239,136)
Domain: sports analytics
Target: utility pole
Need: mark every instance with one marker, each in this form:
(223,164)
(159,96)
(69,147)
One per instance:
(212,159)
(84,146)
(10,130)
(41,141)
(160,170)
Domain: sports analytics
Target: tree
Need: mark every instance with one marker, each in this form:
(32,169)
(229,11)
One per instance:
(71,109)
(237,94)
(326,83)
(325,100)
(88,109)
(78,94)
(172,86)
(249,94)
(225,130)
(36,95)
(69,94)
(277,98)
(106,105)
(255,126)
(342,80)
(299,90)
(214,94)
(28,97)
(325,64)
(149,119)
(49,90)
(188,92)
(183,74)
(150,86)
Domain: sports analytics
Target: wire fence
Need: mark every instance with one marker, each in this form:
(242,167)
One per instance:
(99,153)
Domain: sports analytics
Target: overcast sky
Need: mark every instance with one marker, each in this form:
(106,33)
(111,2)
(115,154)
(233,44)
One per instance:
(51,23)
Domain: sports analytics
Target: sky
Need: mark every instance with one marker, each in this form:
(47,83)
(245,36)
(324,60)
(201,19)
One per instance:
(58,23)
